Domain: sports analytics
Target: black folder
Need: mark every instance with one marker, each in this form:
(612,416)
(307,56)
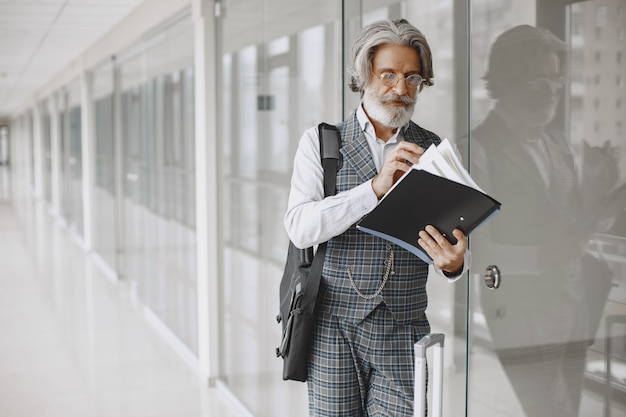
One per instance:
(421,198)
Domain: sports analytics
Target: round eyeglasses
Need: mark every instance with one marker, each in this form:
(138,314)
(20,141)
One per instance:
(390,79)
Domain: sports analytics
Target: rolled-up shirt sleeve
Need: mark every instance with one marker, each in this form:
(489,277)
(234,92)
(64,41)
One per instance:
(310,218)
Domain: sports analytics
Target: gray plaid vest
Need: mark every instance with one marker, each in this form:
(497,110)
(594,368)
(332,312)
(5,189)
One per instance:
(366,255)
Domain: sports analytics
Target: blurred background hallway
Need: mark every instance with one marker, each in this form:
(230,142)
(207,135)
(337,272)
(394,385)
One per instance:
(74,342)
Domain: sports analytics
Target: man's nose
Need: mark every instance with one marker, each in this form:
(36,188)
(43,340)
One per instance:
(401,87)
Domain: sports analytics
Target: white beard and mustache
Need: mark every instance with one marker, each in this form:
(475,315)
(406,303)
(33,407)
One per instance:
(390,116)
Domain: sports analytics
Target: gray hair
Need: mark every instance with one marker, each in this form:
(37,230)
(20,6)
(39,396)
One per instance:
(387,32)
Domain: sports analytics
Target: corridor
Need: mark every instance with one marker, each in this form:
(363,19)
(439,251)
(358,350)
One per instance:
(76,343)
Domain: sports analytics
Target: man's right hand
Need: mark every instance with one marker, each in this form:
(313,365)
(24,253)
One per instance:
(395,165)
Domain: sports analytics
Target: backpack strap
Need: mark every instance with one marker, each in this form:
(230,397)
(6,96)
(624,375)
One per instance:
(330,143)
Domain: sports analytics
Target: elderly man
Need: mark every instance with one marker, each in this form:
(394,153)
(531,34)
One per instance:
(372,301)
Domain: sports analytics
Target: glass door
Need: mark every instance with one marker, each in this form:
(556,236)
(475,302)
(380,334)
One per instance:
(547,305)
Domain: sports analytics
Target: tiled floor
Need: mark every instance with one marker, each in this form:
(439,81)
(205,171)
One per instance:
(73,343)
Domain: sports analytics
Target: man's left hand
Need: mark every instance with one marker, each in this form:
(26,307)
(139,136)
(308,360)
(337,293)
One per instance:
(446,256)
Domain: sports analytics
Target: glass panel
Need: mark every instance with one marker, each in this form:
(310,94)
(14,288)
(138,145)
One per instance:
(280,74)
(46,149)
(61,98)
(157,128)
(547,141)
(30,132)
(7,177)
(5,151)
(104,193)
(73,159)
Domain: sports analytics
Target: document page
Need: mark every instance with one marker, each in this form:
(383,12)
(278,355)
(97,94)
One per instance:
(433,161)
(446,150)
(442,161)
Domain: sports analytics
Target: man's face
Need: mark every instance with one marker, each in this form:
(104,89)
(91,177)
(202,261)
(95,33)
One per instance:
(392,106)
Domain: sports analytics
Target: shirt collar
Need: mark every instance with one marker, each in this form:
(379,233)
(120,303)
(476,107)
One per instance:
(363,120)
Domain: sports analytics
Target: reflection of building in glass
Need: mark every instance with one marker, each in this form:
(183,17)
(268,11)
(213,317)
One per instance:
(489,19)
(598,94)
(598,73)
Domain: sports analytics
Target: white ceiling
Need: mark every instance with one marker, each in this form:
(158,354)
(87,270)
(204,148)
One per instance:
(38,38)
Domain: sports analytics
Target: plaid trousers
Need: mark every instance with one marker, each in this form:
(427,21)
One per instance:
(364,369)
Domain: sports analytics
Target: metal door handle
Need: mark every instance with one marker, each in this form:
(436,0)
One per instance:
(492,277)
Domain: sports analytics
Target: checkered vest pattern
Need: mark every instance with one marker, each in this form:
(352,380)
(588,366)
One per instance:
(366,255)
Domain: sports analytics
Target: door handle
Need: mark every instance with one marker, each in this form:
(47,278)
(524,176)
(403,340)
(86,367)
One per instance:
(492,277)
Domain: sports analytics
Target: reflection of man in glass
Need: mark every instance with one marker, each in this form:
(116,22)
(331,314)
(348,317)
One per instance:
(545,314)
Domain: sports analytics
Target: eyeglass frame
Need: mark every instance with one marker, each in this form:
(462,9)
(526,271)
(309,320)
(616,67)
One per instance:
(388,83)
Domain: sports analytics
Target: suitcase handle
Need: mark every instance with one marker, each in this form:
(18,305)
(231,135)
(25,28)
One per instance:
(420,348)
(427,341)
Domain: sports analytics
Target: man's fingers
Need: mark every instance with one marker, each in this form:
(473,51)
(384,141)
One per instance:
(409,154)
(436,235)
(395,165)
(460,237)
(446,256)
(432,239)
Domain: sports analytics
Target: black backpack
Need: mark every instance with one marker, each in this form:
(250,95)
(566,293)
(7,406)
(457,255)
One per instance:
(301,279)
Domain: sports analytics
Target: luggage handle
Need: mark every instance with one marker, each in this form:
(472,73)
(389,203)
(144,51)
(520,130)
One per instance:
(420,348)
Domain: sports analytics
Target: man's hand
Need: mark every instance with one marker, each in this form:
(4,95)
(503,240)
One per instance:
(396,164)
(447,257)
